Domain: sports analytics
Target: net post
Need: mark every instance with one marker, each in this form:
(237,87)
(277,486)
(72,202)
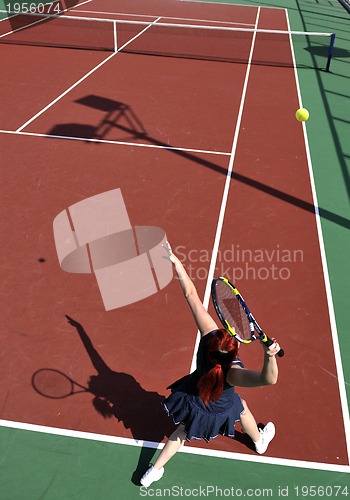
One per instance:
(115,49)
(330,51)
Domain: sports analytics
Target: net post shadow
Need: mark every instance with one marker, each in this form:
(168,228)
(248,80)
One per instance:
(117,115)
(135,127)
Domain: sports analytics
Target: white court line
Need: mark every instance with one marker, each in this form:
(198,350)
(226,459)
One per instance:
(235,5)
(79,4)
(6,18)
(341,380)
(225,193)
(225,3)
(69,9)
(189,449)
(82,79)
(65,92)
(334,330)
(35,22)
(163,17)
(185,449)
(122,143)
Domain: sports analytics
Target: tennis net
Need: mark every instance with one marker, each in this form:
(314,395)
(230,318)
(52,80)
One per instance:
(226,44)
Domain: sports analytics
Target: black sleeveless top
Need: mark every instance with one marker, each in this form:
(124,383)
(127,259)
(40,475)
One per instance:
(186,407)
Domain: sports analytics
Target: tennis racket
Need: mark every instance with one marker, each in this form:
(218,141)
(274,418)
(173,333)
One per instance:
(54,384)
(234,314)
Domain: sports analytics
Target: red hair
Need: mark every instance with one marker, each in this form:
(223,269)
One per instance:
(221,349)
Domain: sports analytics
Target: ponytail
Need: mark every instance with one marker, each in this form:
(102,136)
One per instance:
(211,384)
(221,351)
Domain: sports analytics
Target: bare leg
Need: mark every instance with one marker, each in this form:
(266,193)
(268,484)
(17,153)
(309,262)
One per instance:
(173,444)
(249,424)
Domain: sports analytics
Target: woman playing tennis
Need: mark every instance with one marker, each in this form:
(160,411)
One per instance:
(204,403)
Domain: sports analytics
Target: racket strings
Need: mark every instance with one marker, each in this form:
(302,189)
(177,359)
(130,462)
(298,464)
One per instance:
(233,311)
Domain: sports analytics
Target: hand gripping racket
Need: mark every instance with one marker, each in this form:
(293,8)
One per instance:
(235,315)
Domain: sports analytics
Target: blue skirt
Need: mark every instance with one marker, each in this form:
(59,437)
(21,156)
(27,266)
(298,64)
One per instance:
(200,421)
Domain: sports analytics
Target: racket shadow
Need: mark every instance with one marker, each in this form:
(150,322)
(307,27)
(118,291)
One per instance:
(54,384)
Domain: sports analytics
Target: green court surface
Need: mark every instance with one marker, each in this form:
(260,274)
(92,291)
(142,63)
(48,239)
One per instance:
(36,465)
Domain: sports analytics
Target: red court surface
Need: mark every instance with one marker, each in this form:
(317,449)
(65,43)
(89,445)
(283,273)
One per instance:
(128,111)
(171,9)
(155,104)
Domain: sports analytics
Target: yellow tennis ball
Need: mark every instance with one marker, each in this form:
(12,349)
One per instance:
(302,115)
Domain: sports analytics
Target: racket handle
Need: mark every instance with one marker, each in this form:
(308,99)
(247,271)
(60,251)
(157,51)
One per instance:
(269,342)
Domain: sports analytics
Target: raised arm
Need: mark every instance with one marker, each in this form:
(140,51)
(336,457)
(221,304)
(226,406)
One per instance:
(204,321)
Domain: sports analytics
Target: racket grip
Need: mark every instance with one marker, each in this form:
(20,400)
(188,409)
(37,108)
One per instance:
(269,342)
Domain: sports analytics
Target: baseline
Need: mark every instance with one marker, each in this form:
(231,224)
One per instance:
(185,449)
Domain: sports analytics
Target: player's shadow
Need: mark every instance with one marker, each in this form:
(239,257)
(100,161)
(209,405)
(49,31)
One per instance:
(119,395)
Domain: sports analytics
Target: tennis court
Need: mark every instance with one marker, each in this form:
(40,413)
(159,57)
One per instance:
(196,129)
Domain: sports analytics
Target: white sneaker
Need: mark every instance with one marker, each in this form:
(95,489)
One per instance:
(266,435)
(151,475)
